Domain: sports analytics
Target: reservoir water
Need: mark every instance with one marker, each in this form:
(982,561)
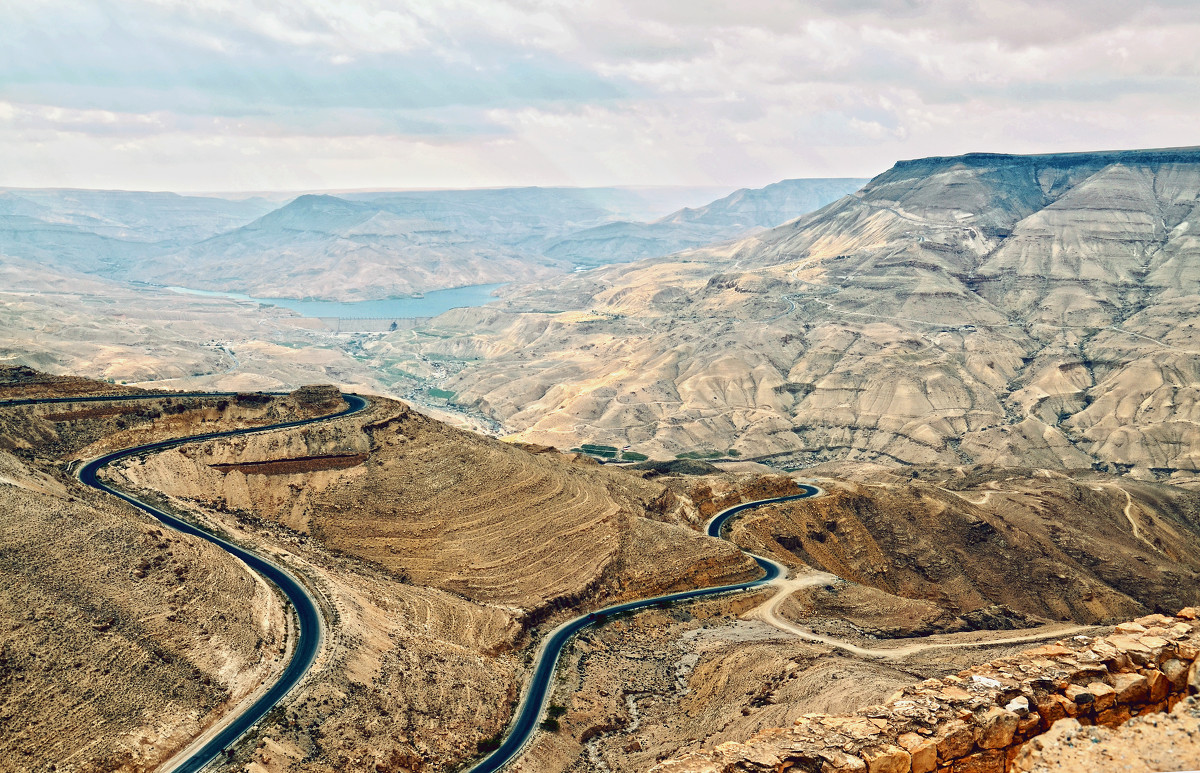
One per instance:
(433,303)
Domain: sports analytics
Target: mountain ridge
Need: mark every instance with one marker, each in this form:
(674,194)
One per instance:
(316,244)
(983,313)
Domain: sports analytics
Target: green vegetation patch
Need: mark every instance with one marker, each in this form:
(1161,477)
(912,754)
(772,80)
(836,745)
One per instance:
(633,456)
(700,455)
(591,449)
(441,393)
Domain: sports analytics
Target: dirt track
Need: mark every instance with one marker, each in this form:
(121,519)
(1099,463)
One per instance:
(768,612)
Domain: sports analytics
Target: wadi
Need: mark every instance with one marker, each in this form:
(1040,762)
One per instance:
(903,481)
(977,310)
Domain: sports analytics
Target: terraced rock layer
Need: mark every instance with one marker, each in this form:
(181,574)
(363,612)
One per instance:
(447,509)
(1001,310)
(441,556)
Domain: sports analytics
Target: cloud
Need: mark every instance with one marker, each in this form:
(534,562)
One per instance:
(492,92)
(263,64)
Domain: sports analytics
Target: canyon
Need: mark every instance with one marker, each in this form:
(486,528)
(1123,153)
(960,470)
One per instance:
(984,364)
(436,602)
(983,309)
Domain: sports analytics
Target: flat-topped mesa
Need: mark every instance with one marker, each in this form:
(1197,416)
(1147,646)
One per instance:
(980,720)
(1087,158)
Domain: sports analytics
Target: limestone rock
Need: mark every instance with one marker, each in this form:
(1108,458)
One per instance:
(889,759)
(955,739)
(835,761)
(1103,696)
(1019,706)
(1130,687)
(923,752)
(996,728)
(1080,696)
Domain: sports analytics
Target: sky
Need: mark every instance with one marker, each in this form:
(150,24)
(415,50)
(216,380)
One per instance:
(247,95)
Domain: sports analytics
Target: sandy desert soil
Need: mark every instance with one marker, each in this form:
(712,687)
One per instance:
(438,557)
(441,557)
(1149,744)
(1032,543)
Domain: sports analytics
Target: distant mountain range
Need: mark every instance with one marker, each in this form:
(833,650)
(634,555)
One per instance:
(105,232)
(981,309)
(369,245)
(742,212)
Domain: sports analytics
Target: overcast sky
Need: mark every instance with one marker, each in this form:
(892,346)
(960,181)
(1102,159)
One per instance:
(309,94)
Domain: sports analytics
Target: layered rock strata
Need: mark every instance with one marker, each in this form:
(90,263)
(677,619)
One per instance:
(997,310)
(981,720)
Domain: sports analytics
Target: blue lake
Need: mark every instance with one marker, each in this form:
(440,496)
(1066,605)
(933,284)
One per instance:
(433,303)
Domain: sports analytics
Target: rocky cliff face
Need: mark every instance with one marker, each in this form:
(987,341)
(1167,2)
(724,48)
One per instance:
(992,309)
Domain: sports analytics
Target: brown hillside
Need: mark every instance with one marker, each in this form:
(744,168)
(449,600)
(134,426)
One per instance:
(441,557)
(1002,310)
(1039,543)
(119,639)
(451,510)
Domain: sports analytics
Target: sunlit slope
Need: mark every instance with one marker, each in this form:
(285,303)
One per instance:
(456,511)
(978,309)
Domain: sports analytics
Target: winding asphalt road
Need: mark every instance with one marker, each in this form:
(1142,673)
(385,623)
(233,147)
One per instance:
(310,625)
(309,628)
(532,705)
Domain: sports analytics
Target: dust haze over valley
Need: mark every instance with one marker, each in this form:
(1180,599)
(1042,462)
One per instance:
(588,388)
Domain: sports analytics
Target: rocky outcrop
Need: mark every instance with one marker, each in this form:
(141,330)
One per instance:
(981,720)
(1146,744)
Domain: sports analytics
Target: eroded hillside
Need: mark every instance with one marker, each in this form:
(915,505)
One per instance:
(442,557)
(1089,548)
(422,543)
(892,577)
(444,508)
(120,640)
(1001,310)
